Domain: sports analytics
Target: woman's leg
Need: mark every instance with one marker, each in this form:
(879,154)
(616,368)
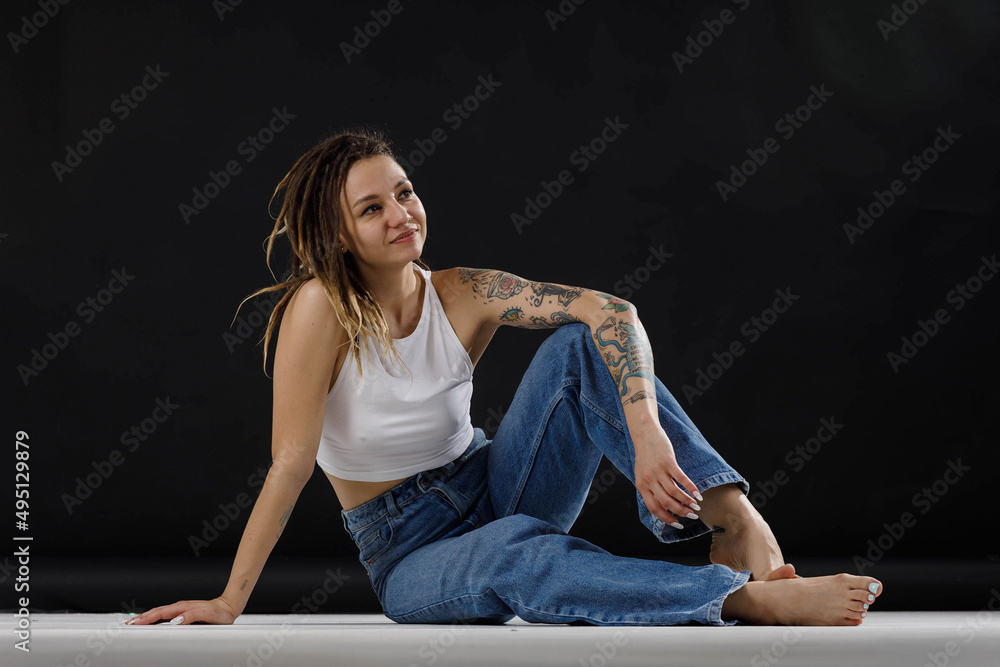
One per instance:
(565,415)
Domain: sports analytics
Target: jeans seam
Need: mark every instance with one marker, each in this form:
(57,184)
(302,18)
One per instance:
(539,432)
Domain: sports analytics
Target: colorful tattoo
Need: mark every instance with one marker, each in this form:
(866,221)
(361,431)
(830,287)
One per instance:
(633,358)
(512,315)
(614,303)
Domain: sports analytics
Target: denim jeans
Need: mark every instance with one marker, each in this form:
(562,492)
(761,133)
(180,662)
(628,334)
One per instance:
(484,537)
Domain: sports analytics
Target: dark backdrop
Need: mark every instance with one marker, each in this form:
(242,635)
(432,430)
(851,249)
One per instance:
(744,138)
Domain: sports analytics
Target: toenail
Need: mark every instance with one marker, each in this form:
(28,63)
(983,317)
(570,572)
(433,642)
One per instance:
(866,605)
(863,614)
(873,587)
(871,597)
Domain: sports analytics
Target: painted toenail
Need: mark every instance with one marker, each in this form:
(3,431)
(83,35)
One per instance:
(692,515)
(866,605)
(863,614)
(873,587)
(871,597)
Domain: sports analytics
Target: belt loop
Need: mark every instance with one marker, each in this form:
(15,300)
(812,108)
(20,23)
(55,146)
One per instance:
(390,505)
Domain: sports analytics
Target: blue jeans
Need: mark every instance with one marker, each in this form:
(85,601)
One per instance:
(484,538)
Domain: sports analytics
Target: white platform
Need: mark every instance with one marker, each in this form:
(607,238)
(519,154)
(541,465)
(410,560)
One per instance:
(913,639)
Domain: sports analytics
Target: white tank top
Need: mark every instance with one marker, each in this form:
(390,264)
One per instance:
(389,427)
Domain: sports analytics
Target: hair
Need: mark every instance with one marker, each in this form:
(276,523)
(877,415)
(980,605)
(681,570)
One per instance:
(310,216)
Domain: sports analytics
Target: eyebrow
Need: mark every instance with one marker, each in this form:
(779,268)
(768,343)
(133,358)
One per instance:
(398,183)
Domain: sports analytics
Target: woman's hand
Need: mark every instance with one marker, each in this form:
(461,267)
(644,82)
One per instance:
(216,611)
(657,477)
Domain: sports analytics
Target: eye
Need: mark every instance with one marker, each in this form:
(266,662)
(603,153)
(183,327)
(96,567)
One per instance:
(365,212)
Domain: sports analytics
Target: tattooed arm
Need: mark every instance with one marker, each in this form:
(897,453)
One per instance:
(506,299)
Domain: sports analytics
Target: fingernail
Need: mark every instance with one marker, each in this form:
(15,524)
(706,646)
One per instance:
(698,496)
(873,587)
(863,614)
(871,597)
(691,515)
(866,605)
(695,507)
(179,619)
(677,526)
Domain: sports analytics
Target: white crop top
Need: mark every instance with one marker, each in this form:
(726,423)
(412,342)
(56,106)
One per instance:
(387,427)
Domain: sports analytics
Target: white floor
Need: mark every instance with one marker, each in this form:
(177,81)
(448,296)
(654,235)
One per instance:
(914,639)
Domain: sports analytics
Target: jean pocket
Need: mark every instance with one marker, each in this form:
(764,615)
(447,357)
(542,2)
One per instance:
(374,541)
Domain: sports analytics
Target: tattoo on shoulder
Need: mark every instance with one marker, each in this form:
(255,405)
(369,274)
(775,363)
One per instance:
(491,284)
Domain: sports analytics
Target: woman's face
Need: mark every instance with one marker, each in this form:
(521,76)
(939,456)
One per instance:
(378,206)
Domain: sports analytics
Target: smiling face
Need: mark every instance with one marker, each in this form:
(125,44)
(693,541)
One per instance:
(378,206)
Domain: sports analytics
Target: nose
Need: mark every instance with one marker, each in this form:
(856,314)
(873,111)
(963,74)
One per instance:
(399,214)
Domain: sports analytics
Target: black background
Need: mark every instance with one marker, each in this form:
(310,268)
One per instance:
(654,186)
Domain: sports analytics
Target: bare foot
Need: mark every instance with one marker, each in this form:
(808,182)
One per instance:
(841,599)
(749,544)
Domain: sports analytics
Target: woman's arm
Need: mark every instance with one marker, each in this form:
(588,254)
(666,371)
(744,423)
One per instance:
(307,347)
(501,298)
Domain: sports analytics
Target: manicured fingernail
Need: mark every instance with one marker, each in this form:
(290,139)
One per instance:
(677,526)
(866,605)
(179,619)
(698,496)
(871,597)
(863,614)
(695,507)
(873,587)
(691,515)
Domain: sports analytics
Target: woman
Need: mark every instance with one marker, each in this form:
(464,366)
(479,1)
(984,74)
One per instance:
(452,526)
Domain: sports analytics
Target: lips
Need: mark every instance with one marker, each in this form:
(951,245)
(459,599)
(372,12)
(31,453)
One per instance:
(404,236)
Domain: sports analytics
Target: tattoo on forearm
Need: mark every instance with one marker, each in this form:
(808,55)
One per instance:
(627,354)
(245,582)
(635,397)
(284,519)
